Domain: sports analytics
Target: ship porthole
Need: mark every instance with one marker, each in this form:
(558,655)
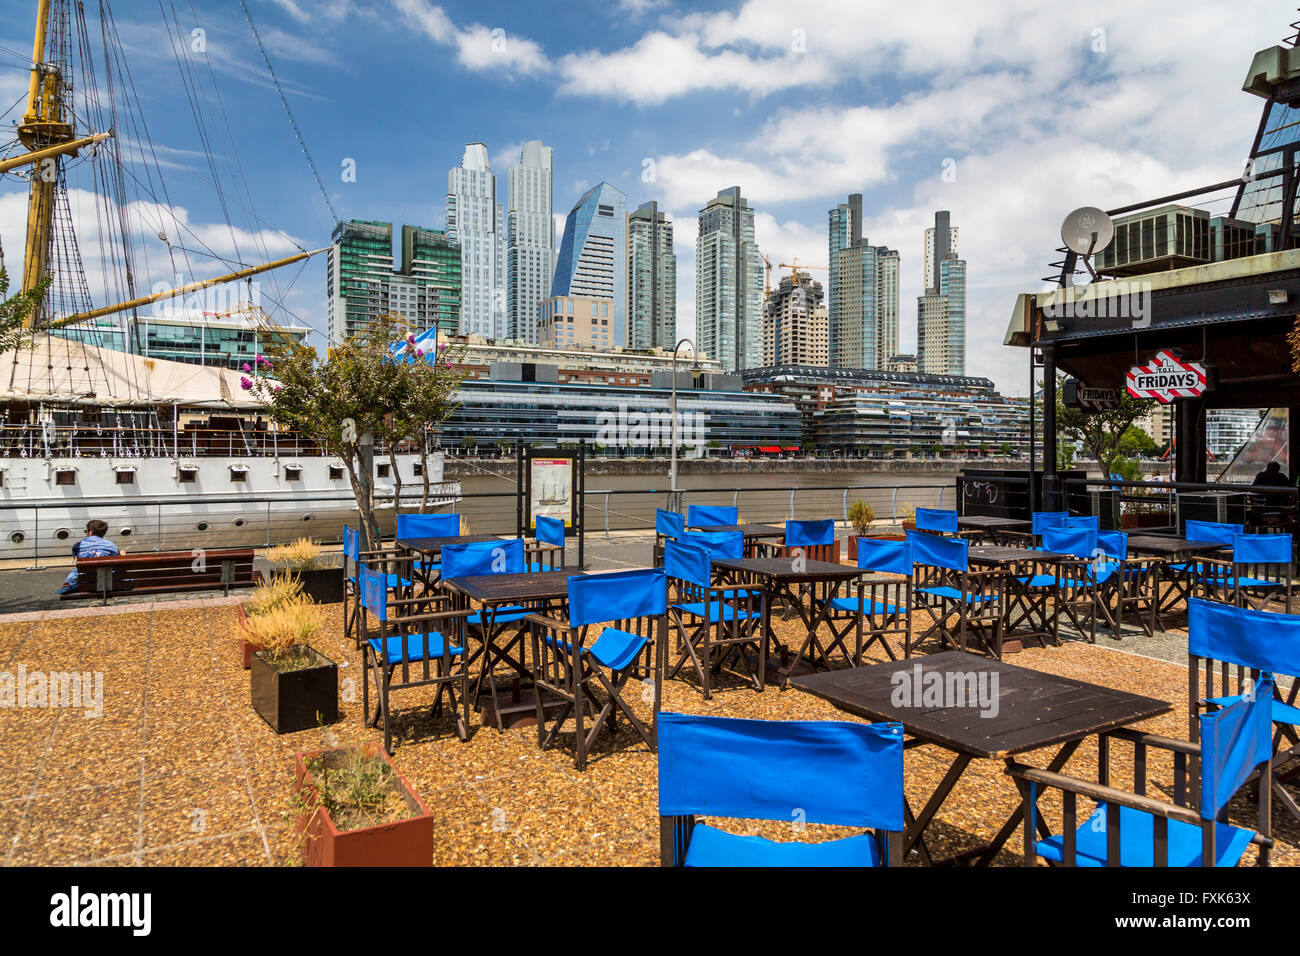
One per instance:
(62,534)
(124,532)
(201,526)
(238,522)
(17,537)
(307,517)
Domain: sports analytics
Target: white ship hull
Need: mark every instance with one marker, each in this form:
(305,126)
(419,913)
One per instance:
(186,503)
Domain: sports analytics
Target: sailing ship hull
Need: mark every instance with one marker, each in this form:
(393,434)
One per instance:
(192,503)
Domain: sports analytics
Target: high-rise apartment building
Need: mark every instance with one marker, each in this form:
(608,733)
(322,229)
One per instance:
(651,279)
(593,254)
(794,324)
(363,283)
(728,283)
(863,294)
(941,311)
(474,220)
(530,239)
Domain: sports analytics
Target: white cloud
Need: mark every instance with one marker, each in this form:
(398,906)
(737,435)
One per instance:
(478,47)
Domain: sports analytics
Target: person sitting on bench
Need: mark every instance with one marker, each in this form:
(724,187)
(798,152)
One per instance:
(93,545)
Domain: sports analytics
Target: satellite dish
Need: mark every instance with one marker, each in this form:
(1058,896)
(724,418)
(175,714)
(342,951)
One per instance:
(1087,231)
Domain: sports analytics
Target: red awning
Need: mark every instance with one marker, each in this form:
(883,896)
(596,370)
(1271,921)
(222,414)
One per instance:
(791,448)
(769,449)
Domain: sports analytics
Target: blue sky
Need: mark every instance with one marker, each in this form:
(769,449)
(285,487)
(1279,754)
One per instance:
(1033,109)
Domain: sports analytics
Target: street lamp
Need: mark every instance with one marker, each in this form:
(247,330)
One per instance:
(672,472)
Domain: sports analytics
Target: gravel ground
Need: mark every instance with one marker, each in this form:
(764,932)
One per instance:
(180,770)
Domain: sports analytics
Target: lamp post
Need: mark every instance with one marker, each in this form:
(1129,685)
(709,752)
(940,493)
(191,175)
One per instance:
(672,472)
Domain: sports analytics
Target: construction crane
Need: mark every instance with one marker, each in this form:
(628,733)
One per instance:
(767,275)
(794,269)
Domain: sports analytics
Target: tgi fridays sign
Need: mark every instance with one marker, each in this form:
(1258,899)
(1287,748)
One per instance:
(1167,377)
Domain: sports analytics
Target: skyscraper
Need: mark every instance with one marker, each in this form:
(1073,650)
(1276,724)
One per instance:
(651,279)
(863,300)
(794,323)
(941,312)
(530,239)
(364,282)
(728,283)
(474,220)
(593,254)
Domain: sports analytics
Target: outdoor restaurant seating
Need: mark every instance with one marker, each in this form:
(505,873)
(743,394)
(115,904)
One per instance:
(1082,586)
(626,611)
(547,551)
(943,582)
(1133,829)
(1258,572)
(713,623)
(880,606)
(409,526)
(415,646)
(1133,588)
(1189,577)
(814,539)
(1227,649)
(710,516)
(936,520)
(824,772)
(719,544)
(396,570)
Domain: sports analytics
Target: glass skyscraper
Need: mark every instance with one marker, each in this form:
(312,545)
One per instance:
(863,293)
(651,279)
(593,253)
(474,221)
(941,312)
(728,283)
(530,239)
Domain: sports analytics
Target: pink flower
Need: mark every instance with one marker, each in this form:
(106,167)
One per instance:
(279,388)
(246,367)
(442,346)
(245,383)
(419,353)
(411,339)
(448,365)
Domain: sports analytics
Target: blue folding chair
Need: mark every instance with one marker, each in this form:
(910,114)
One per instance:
(1227,649)
(414,646)
(490,624)
(822,772)
(1090,522)
(814,539)
(882,603)
(1083,580)
(719,544)
(1258,572)
(1133,588)
(710,516)
(628,609)
(669,525)
(944,584)
(397,571)
(713,624)
(1133,829)
(936,520)
(1196,576)
(549,547)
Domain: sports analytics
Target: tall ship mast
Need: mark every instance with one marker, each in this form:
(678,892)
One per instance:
(99,416)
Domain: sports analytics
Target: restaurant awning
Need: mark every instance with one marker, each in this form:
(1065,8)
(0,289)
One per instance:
(770,449)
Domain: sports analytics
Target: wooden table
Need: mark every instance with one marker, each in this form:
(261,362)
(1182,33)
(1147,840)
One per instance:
(1033,710)
(537,590)
(807,586)
(992,525)
(1167,550)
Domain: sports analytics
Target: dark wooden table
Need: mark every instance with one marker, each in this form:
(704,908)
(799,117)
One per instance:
(806,585)
(1168,550)
(542,591)
(1033,710)
(993,526)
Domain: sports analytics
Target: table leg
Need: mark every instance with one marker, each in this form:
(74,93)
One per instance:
(916,828)
(1008,828)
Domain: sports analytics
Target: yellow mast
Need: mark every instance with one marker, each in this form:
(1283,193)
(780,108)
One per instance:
(42,127)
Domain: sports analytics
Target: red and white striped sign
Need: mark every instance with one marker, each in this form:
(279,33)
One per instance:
(1166,378)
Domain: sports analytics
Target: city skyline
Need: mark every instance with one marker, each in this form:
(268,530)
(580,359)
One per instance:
(798,107)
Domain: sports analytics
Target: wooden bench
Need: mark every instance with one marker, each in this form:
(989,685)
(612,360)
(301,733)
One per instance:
(164,571)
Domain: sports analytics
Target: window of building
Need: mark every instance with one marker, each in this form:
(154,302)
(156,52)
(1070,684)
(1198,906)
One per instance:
(239,473)
(293,472)
(125,476)
(382,470)
(65,476)
(336,472)
(187,475)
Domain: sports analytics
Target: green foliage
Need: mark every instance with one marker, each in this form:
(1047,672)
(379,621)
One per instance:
(358,392)
(1104,434)
(15,312)
(861,515)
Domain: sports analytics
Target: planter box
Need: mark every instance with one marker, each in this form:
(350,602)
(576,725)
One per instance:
(245,648)
(909,525)
(322,585)
(852,546)
(406,842)
(291,700)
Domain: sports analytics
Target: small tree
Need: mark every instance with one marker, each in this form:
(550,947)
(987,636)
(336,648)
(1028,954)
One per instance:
(360,392)
(860,516)
(1102,434)
(15,312)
